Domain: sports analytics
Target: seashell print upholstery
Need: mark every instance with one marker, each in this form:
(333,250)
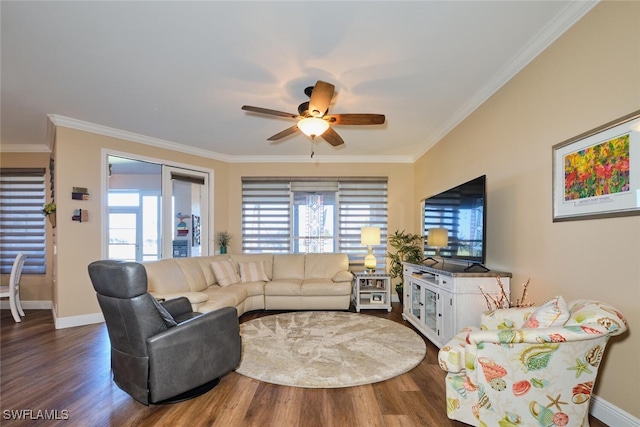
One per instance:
(505,374)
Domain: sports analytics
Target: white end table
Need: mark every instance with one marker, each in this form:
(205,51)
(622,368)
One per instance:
(371,291)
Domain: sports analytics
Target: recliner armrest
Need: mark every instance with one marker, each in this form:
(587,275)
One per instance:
(177,306)
(538,335)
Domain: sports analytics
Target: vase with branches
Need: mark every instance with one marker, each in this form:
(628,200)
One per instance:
(222,239)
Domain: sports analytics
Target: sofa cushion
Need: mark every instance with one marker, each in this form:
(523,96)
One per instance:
(283,287)
(253,288)
(165,276)
(288,266)
(226,296)
(586,311)
(343,276)
(193,273)
(225,272)
(321,287)
(204,263)
(252,272)
(267,259)
(552,313)
(324,266)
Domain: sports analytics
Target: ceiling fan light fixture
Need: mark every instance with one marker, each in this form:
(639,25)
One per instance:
(313,126)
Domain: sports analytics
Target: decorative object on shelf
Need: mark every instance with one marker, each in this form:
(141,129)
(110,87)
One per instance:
(49,210)
(438,238)
(222,239)
(182,229)
(80,215)
(503,301)
(80,193)
(408,248)
(370,236)
(592,171)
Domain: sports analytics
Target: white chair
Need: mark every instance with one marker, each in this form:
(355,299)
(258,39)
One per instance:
(13,290)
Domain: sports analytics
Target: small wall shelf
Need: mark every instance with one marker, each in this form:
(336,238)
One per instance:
(80,215)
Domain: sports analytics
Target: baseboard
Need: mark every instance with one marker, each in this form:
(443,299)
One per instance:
(72,321)
(28,305)
(610,414)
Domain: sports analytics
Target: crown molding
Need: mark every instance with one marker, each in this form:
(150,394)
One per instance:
(24,148)
(161,143)
(133,137)
(322,159)
(571,14)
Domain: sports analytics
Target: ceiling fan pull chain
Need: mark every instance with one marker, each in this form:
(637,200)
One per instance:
(312,152)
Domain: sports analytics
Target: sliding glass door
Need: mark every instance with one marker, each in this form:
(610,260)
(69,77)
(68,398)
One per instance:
(187,212)
(155,211)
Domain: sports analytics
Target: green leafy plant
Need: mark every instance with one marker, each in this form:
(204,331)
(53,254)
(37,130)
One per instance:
(223,238)
(49,208)
(408,248)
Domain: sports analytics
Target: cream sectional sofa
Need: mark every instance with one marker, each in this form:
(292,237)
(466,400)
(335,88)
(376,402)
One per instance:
(295,282)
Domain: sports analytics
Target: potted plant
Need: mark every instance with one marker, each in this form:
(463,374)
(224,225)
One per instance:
(223,238)
(408,248)
(49,210)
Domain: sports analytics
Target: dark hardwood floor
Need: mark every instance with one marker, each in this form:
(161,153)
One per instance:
(65,374)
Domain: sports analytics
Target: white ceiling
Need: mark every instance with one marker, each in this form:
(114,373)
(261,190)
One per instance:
(175,74)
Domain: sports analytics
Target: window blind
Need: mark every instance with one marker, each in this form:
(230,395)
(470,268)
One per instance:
(362,203)
(266,216)
(22,224)
(267,206)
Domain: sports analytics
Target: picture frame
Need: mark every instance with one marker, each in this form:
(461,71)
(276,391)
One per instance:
(377,298)
(379,284)
(597,173)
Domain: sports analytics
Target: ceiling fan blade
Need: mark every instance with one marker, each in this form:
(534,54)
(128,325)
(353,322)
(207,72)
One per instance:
(320,98)
(332,137)
(286,132)
(356,119)
(269,112)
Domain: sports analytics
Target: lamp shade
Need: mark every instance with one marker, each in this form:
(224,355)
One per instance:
(438,237)
(370,235)
(313,126)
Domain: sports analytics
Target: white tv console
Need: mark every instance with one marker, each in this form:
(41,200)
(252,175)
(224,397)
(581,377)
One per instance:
(441,299)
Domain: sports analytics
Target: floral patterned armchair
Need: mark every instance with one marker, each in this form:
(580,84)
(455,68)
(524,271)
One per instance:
(532,366)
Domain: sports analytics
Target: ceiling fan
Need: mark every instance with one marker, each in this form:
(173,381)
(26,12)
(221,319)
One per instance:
(313,118)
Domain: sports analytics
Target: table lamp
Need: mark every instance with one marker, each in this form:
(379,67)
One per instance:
(438,238)
(370,236)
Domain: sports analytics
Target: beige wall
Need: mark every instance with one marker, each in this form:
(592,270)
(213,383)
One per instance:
(588,77)
(79,164)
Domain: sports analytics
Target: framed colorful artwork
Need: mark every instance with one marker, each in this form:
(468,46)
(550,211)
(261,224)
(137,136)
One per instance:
(597,174)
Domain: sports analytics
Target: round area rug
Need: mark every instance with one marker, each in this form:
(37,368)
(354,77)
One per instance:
(326,349)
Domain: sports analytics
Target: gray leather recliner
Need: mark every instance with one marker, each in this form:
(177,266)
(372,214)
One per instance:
(162,352)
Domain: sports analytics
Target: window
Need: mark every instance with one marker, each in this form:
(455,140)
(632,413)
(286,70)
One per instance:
(298,215)
(22,224)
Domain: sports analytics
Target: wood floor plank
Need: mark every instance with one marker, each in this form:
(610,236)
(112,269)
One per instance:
(44,369)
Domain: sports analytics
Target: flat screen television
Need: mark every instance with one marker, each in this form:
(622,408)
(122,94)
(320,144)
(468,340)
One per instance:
(461,211)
